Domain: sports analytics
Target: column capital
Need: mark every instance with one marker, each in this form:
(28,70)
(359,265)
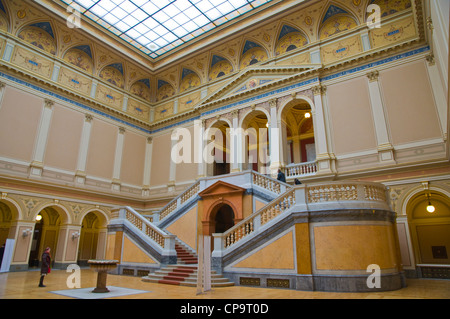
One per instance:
(122,130)
(88,118)
(373,76)
(2,85)
(430,59)
(149,140)
(319,89)
(48,103)
(273,103)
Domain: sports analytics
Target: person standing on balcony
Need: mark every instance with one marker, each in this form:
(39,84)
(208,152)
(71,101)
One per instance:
(281,177)
(297,181)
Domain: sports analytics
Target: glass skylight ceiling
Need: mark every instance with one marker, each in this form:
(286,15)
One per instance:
(158,26)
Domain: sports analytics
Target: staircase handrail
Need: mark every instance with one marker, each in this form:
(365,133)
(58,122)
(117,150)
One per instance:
(147,228)
(179,200)
(314,197)
(253,222)
(258,179)
(269,183)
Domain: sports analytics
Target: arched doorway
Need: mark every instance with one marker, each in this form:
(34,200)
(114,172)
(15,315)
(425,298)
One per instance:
(256,142)
(5,222)
(298,130)
(224,218)
(92,238)
(46,234)
(219,136)
(430,233)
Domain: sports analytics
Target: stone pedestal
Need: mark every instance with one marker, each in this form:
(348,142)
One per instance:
(102,267)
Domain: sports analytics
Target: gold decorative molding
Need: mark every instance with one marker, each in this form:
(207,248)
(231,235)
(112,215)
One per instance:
(88,118)
(319,89)
(430,59)
(48,103)
(373,76)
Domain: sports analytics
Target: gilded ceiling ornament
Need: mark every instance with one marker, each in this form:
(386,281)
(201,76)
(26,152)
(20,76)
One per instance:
(21,14)
(308,20)
(356,3)
(67,38)
(266,37)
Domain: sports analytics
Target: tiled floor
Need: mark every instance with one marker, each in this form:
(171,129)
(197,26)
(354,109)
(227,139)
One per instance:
(24,285)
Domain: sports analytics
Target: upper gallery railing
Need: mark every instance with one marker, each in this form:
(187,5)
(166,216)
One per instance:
(244,179)
(301,169)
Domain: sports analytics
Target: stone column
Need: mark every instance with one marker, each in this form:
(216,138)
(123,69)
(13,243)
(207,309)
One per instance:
(147,166)
(37,162)
(235,144)
(172,169)
(385,148)
(80,174)
(2,92)
(275,139)
(325,160)
(199,144)
(437,85)
(118,160)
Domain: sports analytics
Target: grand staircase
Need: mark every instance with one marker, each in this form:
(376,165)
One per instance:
(184,273)
(185,255)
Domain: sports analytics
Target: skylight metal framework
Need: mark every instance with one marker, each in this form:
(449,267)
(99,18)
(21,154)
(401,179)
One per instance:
(156,27)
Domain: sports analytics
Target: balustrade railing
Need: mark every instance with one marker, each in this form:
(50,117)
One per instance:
(267,183)
(259,218)
(307,197)
(146,227)
(179,200)
(301,169)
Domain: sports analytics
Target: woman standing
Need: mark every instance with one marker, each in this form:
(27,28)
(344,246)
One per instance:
(45,268)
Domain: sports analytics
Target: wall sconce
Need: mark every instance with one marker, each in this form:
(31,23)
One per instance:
(39,217)
(430,207)
(307,115)
(26,232)
(75,235)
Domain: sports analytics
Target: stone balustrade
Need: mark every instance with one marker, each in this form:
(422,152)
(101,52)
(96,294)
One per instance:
(321,196)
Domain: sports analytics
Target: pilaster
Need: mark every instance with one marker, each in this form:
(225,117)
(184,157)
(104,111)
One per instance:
(325,159)
(385,148)
(37,162)
(147,166)
(80,174)
(118,160)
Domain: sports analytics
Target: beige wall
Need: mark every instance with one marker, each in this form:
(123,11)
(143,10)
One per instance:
(102,145)
(161,160)
(64,138)
(19,120)
(187,171)
(410,108)
(352,125)
(133,158)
